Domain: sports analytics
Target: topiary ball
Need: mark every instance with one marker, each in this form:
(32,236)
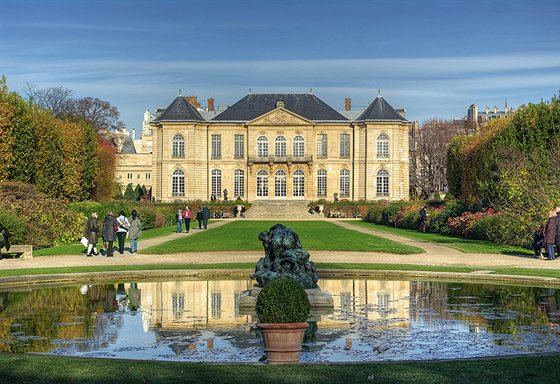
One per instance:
(283,300)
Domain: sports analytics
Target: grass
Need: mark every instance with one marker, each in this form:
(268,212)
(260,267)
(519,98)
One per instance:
(20,368)
(77,248)
(459,243)
(314,235)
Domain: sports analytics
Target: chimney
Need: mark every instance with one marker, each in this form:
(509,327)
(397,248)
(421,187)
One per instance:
(495,109)
(348,104)
(193,101)
(211,104)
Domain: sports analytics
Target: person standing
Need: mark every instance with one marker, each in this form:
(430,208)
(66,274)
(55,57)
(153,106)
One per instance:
(4,239)
(557,240)
(423,218)
(199,219)
(134,231)
(550,235)
(91,234)
(538,240)
(110,227)
(179,217)
(187,218)
(205,216)
(124,224)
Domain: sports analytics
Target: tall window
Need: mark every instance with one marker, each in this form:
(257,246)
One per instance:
(238,146)
(262,183)
(178,146)
(216,305)
(178,304)
(382,183)
(280,184)
(344,183)
(280,147)
(217,182)
(216,146)
(383,146)
(262,146)
(344,146)
(238,183)
(322,146)
(298,181)
(322,183)
(178,183)
(298,149)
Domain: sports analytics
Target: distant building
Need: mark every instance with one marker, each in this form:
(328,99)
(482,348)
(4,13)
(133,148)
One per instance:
(271,146)
(476,118)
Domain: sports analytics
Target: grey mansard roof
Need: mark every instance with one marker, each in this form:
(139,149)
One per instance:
(180,110)
(128,146)
(254,105)
(380,110)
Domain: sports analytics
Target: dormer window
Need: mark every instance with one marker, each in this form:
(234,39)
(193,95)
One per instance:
(279,104)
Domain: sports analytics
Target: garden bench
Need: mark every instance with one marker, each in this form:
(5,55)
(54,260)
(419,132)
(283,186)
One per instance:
(226,216)
(24,251)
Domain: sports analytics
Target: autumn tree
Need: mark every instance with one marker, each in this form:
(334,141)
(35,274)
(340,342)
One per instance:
(56,99)
(7,111)
(428,163)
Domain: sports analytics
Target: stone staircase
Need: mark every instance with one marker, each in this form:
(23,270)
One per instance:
(279,209)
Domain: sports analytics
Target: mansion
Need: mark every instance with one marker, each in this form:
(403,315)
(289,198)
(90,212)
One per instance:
(270,146)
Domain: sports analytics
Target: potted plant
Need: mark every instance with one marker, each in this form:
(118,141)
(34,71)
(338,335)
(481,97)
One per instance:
(282,308)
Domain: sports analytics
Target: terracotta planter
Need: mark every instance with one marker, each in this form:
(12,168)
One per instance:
(282,342)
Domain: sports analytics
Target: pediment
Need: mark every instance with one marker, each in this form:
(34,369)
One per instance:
(280,116)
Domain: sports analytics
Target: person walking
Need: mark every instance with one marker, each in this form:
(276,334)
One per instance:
(124,224)
(187,218)
(550,235)
(4,239)
(205,216)
(179,217)
(423,218)
(538,242)
(199,219)
(134,231)
(110,227)
(91,233)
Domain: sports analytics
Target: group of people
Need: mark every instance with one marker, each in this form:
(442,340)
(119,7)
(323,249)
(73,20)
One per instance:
(186,216)
(113,228)
(548,236)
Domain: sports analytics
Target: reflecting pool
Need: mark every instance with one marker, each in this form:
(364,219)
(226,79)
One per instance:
(199,321)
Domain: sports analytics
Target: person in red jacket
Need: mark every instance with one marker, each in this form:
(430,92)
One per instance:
(187,217)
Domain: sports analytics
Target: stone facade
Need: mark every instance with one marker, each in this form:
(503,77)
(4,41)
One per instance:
(283,153)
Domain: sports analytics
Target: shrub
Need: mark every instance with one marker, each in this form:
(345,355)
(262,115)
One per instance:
(283,300)
(16,227)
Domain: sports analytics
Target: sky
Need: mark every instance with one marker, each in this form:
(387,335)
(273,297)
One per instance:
(432,57)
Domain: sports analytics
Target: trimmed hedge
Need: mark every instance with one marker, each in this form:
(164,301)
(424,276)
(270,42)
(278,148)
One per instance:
(283,300)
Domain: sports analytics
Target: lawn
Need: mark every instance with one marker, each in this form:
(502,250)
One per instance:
(314,235)
(77,248)
(22,368)
(459,243)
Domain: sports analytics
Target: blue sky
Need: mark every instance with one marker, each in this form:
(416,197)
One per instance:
(433,58)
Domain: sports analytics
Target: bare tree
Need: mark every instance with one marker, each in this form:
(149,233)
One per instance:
(103,116)
(57,99)
(429,142)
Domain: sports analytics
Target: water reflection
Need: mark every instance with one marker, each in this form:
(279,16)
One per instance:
(200,321)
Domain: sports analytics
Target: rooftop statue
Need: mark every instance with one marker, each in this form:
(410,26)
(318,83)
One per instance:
(284,256)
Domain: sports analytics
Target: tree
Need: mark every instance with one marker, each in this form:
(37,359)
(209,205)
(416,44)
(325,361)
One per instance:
(99,113)
(6,140)
(428,164)
(129,193)
(56,99)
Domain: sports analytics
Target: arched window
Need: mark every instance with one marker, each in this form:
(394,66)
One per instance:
(298,181)
(298,149)
(262,146)
(280,184)
(280,147)
(178,146)
(383,146)
(344,183)
(322,183)
(217,182)
(262,183)
(382,183)
(178,183)
(238,183)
